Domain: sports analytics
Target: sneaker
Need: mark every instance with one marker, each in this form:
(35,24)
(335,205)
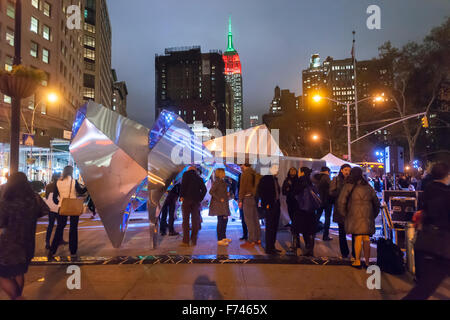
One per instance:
(248,245)
(222,243)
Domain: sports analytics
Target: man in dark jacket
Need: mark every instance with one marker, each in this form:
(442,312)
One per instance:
(268,192)
(169,209)
(432,249)
(335,189)
(192,192)
(324,190)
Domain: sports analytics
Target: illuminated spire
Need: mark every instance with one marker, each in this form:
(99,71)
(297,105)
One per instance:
(230,37)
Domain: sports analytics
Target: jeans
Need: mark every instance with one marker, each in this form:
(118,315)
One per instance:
(51,223)
(251,219)
(326,227)
(272,221)
(309,244)
(430,272)
(222,222)
(168,208)
(244,225)
(73,234)
(190,209)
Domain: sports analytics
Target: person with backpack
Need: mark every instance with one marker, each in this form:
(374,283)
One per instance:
(432,246)
(268,191)
(20,207)
(308,203)
(192,192)
(219,206)
(359,205)
(336,186)
(324,191)
(247,202)
(49,191)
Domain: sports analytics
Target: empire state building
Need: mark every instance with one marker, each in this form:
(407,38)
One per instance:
(233,76)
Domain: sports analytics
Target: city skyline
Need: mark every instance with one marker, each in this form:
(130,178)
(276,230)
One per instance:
(259,30)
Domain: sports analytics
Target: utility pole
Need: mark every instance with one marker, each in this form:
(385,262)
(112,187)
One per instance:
(15,103)
(355,84)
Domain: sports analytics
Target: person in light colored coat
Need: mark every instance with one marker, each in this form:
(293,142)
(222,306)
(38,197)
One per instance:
(359,204)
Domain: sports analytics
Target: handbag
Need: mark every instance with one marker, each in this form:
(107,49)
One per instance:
(433,240)
(309,200)
(71,207)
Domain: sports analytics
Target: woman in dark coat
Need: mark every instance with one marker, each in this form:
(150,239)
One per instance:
(20,208)
(219,206)
(288,190)
(306,223)
(359,204)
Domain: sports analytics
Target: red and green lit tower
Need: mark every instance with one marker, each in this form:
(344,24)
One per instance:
(233,76)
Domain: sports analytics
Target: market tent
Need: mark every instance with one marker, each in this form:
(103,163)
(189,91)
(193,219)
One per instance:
(335,163)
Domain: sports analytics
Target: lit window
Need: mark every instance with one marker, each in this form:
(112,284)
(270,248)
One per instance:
(89,54)
(46,32)
(8,63)
(10,37)
(7,99)
(34,25)
(11,10)
(47,9)
(45,56)
(34,49)
(35,3)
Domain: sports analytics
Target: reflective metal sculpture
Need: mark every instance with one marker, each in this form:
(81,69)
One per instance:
(111,152)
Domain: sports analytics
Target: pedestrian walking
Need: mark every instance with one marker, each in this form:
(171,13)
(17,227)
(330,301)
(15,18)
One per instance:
(49,191)
(288,190)
(219,206)
(241,213)
(268,192)
(20,207)
(306,224)
(336,186)
(66,187)
(432,247)
(247,190)
(192,192)
(168,210)
(324,193)
(359,205)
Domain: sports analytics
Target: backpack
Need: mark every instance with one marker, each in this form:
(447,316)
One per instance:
(390,257)
(309,200)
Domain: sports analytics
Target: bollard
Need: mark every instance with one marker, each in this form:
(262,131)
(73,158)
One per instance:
(410,235)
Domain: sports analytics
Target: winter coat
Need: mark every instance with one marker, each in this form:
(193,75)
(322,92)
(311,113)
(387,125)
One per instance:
(18,220)
(266,191)
(248,183)
(288,187)
(336,186)
(192,187)
(219,192)
(304,222)
(360,206)
(324,189)
(67,188)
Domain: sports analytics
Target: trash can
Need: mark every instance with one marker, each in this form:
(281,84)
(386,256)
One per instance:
(410,235)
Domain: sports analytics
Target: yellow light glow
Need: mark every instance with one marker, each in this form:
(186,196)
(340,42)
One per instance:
(317,98)
(52,97)
(315,137)
(407,168)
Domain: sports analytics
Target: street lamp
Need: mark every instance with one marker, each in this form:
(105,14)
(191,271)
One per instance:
(315,137)
(318,98)
(52,98)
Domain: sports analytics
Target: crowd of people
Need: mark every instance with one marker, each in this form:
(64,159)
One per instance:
(348,199)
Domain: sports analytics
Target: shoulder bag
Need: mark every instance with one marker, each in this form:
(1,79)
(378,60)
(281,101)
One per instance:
(71,207)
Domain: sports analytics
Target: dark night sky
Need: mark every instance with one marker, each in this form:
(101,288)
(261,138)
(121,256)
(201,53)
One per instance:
(274,38)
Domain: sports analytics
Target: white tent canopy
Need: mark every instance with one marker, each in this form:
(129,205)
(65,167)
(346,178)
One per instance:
(335,163)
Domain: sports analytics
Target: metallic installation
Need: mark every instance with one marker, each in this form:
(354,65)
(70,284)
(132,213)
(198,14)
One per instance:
(111,152)
(173,147)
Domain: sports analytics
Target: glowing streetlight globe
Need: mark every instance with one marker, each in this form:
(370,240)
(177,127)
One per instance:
(52,97)
(317,98)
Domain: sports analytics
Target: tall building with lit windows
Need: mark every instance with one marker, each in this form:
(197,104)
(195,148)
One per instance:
(98,77)
(192,84)
(47,44)
(233,76)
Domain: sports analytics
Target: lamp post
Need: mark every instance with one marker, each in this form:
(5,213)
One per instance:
(317,98)
(15,103)
(316,137)
(52,98)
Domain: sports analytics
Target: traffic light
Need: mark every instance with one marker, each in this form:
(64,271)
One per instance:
(425,122)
